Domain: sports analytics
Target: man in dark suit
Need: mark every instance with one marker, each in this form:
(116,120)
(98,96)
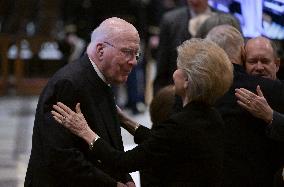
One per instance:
(251,158)
(262,60)
(58,158)
(174,29)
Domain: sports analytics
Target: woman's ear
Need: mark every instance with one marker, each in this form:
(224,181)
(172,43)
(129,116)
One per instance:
(186,81)
(185,84)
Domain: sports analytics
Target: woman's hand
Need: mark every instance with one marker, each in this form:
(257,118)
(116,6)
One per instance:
(73,121)
(255,104)
(122,116)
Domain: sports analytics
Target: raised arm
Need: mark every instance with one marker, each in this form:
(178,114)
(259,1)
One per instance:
(258,107)
(77,124)
(138,158)
(255,104)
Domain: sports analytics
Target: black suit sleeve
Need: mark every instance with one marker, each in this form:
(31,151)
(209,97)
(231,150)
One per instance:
(157,150)
(63,152)
(276,129)
(141,134)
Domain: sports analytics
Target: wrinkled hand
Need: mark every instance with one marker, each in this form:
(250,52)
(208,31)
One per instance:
(74,121)
(255,104)
(126,122)
(123,118)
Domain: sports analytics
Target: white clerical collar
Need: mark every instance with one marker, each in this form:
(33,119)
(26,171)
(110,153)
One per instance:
(193,14)
(98,71)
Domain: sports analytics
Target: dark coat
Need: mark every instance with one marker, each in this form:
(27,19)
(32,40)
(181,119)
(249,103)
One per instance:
(276,129)
(251,157)
(58,158)
(186,150)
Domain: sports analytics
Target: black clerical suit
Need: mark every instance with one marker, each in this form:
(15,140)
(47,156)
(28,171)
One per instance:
(251,157)
(59,158)
(186,150)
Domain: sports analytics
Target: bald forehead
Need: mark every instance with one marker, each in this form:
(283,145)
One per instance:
(259,42)
(117,26)
(115,30)
(260,47)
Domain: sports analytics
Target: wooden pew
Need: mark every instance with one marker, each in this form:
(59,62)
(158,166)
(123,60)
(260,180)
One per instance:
(25,84)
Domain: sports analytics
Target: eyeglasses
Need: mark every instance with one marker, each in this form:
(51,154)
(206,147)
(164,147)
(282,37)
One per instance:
(127,53)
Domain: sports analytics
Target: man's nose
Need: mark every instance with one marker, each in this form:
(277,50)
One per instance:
(133,60)
(259,65)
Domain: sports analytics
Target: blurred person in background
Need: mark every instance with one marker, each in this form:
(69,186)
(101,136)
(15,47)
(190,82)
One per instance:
(177,26)
(162,105)
(215,20)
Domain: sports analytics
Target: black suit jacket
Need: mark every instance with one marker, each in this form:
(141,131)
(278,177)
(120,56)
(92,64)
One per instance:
(251,157)
(276,129)
(186,150)
(59,158)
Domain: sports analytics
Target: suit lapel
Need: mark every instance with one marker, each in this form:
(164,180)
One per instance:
(106,105)
(111,123)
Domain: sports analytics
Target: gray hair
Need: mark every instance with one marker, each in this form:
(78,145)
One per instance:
(208,68)
(215,20)
(229,39)
(110,30)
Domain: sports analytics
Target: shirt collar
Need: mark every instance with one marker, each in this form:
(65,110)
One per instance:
(98,71)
